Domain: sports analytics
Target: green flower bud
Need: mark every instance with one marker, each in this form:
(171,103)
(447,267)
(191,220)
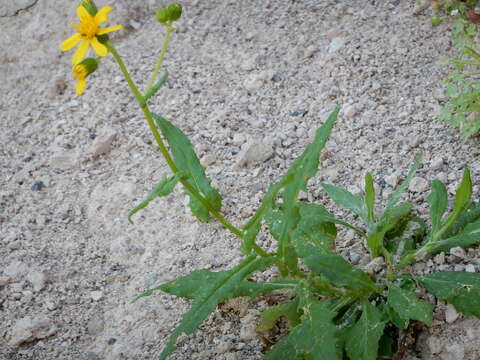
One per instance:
(175,11)
(90,6)
(163,15)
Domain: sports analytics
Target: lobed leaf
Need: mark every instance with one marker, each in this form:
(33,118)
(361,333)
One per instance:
(314,339)
(460,288)
(347,200)
(208,289)
(187,161)
(163,188)
(407,306)
(288,310)
(363,338)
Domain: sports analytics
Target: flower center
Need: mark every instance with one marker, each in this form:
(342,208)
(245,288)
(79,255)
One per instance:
(88,29)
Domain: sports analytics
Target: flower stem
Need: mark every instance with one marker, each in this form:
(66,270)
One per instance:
(163,149)
(154,75)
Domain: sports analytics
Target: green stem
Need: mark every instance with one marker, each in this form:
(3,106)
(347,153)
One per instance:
(166,154)
(156,70)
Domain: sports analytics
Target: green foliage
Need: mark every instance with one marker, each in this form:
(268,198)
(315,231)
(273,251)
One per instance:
(463,88)
(336,310)
(188,162)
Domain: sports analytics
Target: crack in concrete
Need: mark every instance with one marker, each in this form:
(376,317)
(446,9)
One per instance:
(18,11)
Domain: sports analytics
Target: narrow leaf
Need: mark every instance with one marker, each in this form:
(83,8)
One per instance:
(406,304)
(460,288)
(163,188)
(347,200)
(156,87)
(363,337)
(468,237)
(187,161)
(397,194)
(370,197)
(438,203)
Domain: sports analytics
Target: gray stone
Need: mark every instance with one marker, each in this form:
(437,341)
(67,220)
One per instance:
(96,295)
(418,185)
(336,44)
(470,268)
(208,159)
(392,179)
(458,252)
(436,163)
(451,314)
(95,325)
(64,161)
(38,280)
(435,345)
(253,152)
(103,142)
(27,330)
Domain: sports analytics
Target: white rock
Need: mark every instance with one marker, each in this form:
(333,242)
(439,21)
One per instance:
(248,329)
(253,152)
(28,329)
(38,280)
(454,351)
(375,266)
(4,280)
(458,252)
(96,295)
(418,185)
(350,111)
(208,159)
(470,268)
(255,81)
(103,142)
(451,314)
(392,179)
(336,44)
(435,345)
(64,161)
(439,258)
(436,163)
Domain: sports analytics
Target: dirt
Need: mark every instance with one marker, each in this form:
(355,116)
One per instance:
(243,73)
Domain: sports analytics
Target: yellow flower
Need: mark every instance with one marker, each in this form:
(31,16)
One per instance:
(87,32)
(80,72)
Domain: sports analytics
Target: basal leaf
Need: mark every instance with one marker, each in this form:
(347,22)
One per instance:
(462,198)
(468,237)
(208,289)
(460,288)
(335,268)
(363,337)
(397,194)
(347,200)
(187,161)
(407,306)
(288,310)
(370,198)
(163,188)
(471,214)
(437,200)
(314,339)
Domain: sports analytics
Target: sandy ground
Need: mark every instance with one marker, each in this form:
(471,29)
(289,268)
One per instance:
(243,74)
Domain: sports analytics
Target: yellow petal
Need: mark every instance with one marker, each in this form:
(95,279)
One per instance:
(83,14)
(81,85)
(107,30)
(80,53)
(101,15)
(70,42)
(99,48)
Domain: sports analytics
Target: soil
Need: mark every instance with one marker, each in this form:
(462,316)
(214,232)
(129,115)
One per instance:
(243,74)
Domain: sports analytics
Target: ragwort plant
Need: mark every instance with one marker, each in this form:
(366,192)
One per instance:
(335,310)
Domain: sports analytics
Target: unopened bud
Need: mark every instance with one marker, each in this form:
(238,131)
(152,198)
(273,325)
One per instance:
(90,6)
(175,10)
(163,16)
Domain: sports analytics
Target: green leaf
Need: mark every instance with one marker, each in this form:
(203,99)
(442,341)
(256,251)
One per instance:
(187,161)
(288,310)
(208,289)
(397,194)
(363,337)
(163,188)
(460,288)
(156,87)
(470,215)
(295,179)
(335,268)
(468,237)
(407,306)
(347,200)
(462,198)
(370,198)
(314,339)
(438,203)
